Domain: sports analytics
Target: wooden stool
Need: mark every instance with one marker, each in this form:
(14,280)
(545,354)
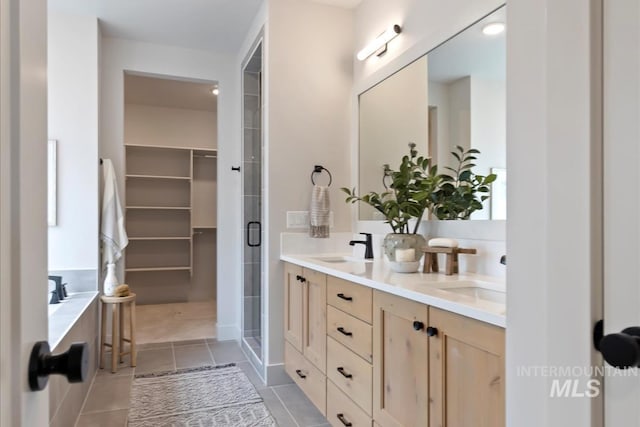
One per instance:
(431,259)
(117,330)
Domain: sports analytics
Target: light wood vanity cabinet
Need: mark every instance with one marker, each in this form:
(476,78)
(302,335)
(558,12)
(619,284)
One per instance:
(305,318)
(400,361)
(466,362)
(369,358)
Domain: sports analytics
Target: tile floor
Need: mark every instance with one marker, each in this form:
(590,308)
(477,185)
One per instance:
(175,321)
(107,403)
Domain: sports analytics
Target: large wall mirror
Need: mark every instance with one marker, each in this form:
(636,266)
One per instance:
(453,95)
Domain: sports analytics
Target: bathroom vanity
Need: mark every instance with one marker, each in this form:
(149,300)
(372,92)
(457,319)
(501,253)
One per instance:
(370,347)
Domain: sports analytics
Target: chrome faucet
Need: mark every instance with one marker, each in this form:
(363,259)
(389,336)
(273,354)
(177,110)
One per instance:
(368,251)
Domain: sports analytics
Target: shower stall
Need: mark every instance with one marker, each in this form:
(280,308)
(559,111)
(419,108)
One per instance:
(252,216)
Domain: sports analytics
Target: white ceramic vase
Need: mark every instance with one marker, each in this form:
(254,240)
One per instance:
(110,280)
(404,251)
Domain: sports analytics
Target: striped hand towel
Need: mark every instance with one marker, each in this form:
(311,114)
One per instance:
(319,213)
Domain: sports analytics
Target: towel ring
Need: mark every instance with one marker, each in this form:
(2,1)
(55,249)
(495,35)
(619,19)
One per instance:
(386,173)
(319,169)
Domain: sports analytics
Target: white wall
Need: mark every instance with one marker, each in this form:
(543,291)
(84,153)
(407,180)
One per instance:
(308,118)
(425,24)
(73,77)
(120,55)
(172,127)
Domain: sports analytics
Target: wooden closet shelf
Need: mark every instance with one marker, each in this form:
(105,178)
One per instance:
(170,208)
(141,269)
(205,226)
(182,178)
(210,150)
(159,238)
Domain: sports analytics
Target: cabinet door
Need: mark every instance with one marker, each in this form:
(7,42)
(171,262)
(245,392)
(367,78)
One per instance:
(293,298)
(466,363)
(400,362)
(314,341)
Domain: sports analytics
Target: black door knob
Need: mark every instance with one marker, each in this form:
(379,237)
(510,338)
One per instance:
(622,350)
(431,331)
(73,364)
(417,325)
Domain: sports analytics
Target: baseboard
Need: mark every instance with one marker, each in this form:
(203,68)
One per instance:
(276,375)
(227,332)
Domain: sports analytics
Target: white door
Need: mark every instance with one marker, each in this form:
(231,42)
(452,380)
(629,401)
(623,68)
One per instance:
(622,196)
(23,229)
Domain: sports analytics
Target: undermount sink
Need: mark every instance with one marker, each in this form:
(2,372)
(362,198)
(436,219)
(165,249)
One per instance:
(478,290)
(337,259)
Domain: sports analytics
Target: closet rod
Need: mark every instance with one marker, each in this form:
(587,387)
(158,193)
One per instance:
(206,156)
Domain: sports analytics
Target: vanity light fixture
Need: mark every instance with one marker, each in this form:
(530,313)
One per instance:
(493,28)
(379,44)
(215,91)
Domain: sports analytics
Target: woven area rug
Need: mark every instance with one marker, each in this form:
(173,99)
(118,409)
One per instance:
(208,396)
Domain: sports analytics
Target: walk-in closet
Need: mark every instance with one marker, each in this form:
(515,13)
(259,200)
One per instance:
(170,147)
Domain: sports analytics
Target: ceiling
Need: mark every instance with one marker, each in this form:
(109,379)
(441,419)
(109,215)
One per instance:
(471,53)
(215,25)
(167,93)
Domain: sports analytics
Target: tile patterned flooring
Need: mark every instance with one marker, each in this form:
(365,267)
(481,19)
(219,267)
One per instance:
(107,403)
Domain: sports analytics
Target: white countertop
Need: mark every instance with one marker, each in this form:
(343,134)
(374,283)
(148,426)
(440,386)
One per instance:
(420,287)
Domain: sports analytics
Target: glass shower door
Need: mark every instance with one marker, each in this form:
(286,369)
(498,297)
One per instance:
(252,202)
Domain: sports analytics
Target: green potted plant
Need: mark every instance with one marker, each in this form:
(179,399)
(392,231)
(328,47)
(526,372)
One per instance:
(417,187)
(408,197)
(461,194)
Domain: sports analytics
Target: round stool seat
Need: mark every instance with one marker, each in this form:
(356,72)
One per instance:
(118,300)
(118,304)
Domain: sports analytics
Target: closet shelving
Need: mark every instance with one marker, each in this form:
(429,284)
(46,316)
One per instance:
(170,199)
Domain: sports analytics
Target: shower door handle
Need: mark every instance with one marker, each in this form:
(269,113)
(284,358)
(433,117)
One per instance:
(249,242)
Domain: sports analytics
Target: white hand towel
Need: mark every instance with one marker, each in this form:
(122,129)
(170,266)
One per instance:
(112,231)
(320,210)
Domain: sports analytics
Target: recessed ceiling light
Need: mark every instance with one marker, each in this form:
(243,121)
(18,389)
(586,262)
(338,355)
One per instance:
(493,28)
(215,91)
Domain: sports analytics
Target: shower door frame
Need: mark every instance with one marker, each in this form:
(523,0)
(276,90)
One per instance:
(257,360)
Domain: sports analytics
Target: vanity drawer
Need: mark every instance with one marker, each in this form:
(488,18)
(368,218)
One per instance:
(312,382)
(351,374)
(356,300)
(353,333)
(339,404)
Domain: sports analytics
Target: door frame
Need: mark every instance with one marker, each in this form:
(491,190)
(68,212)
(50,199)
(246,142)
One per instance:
(554,231)
(23,223)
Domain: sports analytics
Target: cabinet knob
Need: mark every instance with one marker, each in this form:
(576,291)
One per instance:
(417,325)
(298,277)
(303,279)
(300,374)
(431,331)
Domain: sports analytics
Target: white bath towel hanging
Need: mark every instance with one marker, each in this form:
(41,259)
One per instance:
(319,214)
(112,230)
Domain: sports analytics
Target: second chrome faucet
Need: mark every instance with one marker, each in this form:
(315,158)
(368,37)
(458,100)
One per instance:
(368,251)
